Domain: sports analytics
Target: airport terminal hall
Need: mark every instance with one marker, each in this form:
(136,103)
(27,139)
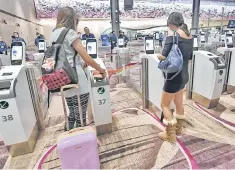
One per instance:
(117,84)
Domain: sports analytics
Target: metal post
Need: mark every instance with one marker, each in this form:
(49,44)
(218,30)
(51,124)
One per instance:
(144,83)
(36,98)
(195,17)
(208,25)
(126,63)
(118,65)
(222,20)
(114,4)
(227,58)
(195,25)
(1,64)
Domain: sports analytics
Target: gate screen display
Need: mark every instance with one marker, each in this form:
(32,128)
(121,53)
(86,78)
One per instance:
(91,48)
(41,46)
(121,41)
(149,45)
(17,52)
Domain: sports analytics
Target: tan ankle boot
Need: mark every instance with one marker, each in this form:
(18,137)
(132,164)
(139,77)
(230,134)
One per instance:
(180,122)
(169,134)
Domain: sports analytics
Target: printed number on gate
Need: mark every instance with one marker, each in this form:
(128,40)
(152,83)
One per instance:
(7,118)
(102,102)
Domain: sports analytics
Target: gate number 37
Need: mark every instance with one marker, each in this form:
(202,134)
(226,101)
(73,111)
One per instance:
(102,102)
(7,118)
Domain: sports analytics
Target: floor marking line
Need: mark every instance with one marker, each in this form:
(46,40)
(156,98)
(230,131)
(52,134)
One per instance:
(189,157)
(214,116)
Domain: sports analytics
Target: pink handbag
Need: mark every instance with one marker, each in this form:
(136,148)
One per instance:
(56,79)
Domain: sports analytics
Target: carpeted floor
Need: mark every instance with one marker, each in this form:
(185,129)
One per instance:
(3,154)
(134,143)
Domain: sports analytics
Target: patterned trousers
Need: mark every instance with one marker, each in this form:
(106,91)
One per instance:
(74,115)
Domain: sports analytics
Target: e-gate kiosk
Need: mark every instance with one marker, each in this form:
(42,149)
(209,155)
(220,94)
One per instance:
(149,45)
(84,43)
(152,81)
(18,53)
(18,124)
(202,37)
(41,46)
(121,42)
(229,40)
(208,77)
(20,103)
(156,38)
(91,47)
(223,40)
(156,35)
(100,93)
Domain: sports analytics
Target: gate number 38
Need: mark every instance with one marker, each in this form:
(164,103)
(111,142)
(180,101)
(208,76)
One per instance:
(102,102)
(7,118)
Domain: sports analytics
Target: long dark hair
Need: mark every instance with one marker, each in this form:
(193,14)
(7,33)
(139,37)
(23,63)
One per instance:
(68,18)
(184,27)
(177,19)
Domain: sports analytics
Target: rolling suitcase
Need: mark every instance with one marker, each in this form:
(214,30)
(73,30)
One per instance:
(78,149)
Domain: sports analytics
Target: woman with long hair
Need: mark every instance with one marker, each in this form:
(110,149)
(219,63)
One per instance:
(173,90)
(67,18)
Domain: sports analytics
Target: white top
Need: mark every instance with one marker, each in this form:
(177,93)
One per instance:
(70,52)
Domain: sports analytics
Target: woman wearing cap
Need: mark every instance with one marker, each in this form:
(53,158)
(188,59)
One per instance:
(173,90)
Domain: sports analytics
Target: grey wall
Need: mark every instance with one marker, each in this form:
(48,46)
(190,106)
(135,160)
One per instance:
(21,8)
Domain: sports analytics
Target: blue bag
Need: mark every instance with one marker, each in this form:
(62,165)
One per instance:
(174,61)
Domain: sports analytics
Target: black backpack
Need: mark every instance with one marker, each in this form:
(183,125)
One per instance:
(56,70)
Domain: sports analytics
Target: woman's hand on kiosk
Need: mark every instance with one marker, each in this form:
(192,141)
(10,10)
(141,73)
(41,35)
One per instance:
(103,73)
(100,74)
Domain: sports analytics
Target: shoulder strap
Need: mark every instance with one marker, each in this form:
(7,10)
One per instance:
(173,75)
(74,58)
(61,38)
(175,38)
(74,62)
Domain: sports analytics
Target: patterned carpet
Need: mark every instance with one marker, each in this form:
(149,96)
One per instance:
(210,142)
(3,154)
(207,143)
(134,143)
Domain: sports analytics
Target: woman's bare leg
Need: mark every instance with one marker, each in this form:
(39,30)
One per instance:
(170,132)
(165,104)
(178,100)
(179,115)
